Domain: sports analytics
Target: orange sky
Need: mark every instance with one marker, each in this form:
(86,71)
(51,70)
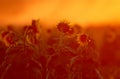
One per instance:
(52,11)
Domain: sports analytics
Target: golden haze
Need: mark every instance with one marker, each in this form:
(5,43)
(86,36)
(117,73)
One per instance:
(52,11)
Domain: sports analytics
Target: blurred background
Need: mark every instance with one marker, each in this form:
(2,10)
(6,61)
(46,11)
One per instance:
(51,11)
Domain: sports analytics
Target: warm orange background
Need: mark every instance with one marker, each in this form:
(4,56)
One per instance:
(52,11)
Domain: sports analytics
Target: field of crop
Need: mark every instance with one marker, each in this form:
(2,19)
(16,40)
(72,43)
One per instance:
(63,52)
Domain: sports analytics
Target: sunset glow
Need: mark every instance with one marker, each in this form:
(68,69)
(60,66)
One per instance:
(59,39)
(51,11)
